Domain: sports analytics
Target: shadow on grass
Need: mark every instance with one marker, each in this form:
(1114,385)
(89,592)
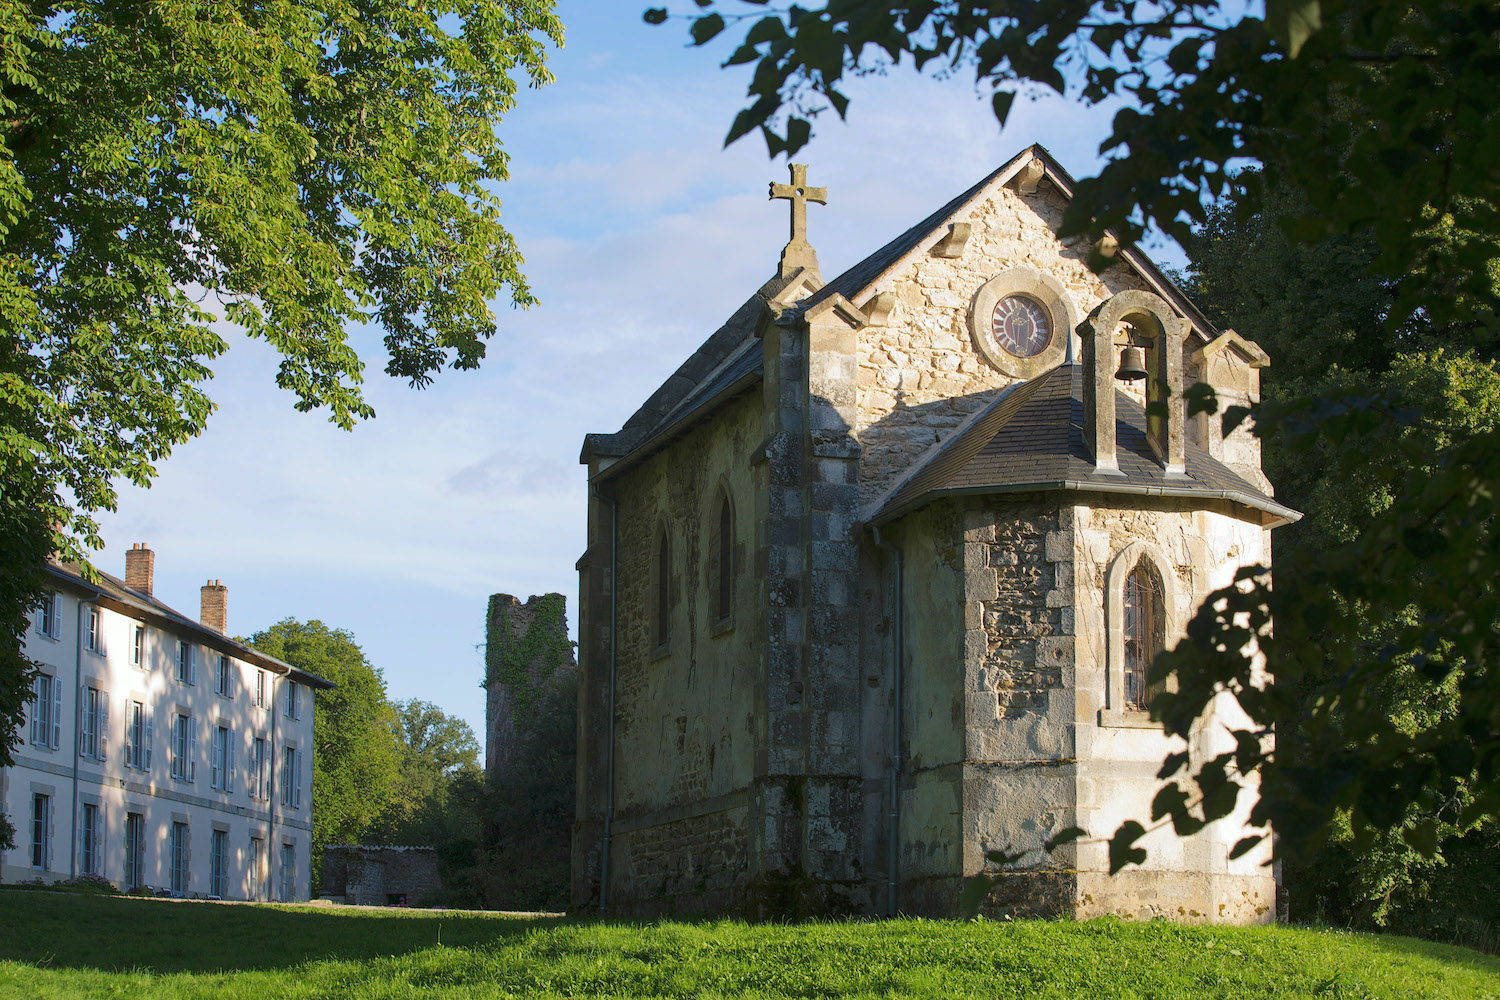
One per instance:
(111,933)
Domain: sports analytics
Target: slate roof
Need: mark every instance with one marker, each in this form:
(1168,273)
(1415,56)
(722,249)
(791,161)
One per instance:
(111,592)
(1030,439)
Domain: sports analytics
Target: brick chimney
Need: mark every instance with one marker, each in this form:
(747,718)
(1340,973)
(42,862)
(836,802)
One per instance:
(140,563)
(214,606)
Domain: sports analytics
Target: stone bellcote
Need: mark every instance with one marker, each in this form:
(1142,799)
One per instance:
(1145,320)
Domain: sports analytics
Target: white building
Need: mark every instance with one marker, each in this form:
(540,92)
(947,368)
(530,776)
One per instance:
(157,751)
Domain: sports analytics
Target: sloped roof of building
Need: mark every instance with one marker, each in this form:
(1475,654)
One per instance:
(1031,439)
(699,385)
(111,592)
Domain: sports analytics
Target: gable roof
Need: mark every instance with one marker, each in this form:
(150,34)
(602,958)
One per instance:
(111,592)
(1030,439)
(696,387)
(857,282)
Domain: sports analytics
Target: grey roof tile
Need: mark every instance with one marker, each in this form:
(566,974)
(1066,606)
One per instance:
(1032,437)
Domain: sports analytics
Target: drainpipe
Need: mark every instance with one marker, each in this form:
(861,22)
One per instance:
(77,739)
(893,843)
(614,666)
(272,789)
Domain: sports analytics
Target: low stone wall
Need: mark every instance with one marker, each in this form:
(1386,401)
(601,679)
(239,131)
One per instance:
(380,876)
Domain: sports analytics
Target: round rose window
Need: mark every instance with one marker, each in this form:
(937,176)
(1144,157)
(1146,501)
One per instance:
(1021,326)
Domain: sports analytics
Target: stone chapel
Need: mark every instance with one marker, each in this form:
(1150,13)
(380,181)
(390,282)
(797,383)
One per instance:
(874,579)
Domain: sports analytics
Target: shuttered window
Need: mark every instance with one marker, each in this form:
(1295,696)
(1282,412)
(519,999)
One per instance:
(90,838)
(46,711)
(218,877)
(135,850)
(177,851)
(41,832)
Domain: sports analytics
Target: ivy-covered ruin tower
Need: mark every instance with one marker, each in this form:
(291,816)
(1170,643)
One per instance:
(526,646)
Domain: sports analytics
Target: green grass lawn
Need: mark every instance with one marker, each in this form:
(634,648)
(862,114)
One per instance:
(54,945)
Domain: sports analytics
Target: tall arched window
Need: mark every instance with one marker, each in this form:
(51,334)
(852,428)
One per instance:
(1143,626)
(663,625)
(723,570)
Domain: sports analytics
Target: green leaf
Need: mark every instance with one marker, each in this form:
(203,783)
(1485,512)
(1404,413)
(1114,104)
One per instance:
(798,132)
(1244,846)
(1000,857)
(1175,762)
(1001,101)
(1201,398)
(767,29)
(742,55)
(706,28)
(654,15)
(1234,416)
(976,887)
(1422,836)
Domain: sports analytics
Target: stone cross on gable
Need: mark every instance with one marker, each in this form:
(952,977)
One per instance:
(798,252)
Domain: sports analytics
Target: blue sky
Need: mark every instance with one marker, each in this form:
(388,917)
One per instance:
(641,234)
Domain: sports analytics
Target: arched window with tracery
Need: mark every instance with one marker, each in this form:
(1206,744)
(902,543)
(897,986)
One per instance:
(1143,628)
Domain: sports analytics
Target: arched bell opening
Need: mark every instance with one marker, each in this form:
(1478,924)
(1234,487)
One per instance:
(1132,336)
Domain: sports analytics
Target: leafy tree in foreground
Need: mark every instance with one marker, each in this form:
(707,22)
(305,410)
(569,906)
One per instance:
(1383,116)
(302,166)
(1321,316)
(356,758)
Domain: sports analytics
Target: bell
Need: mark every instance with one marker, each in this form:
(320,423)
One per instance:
(1132,365)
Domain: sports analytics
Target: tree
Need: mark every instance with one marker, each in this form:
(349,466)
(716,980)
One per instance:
(437,796)
(356,757)
(435,740)
(301,167)
(1381,118)
(1318,312)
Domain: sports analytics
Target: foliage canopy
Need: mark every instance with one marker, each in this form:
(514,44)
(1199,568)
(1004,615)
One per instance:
(437,797)
(1313,307)
(304,167)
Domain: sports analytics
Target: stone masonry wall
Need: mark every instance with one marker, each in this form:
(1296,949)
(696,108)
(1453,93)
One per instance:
(693,865)
(1020,767)
(547,653)
(686,727)
(381,876)
(1184,878)
(1019,615)
(920,373)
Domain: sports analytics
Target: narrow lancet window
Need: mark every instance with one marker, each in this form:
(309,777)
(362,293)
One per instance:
(724,591)
(1143,632)
(663,590)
